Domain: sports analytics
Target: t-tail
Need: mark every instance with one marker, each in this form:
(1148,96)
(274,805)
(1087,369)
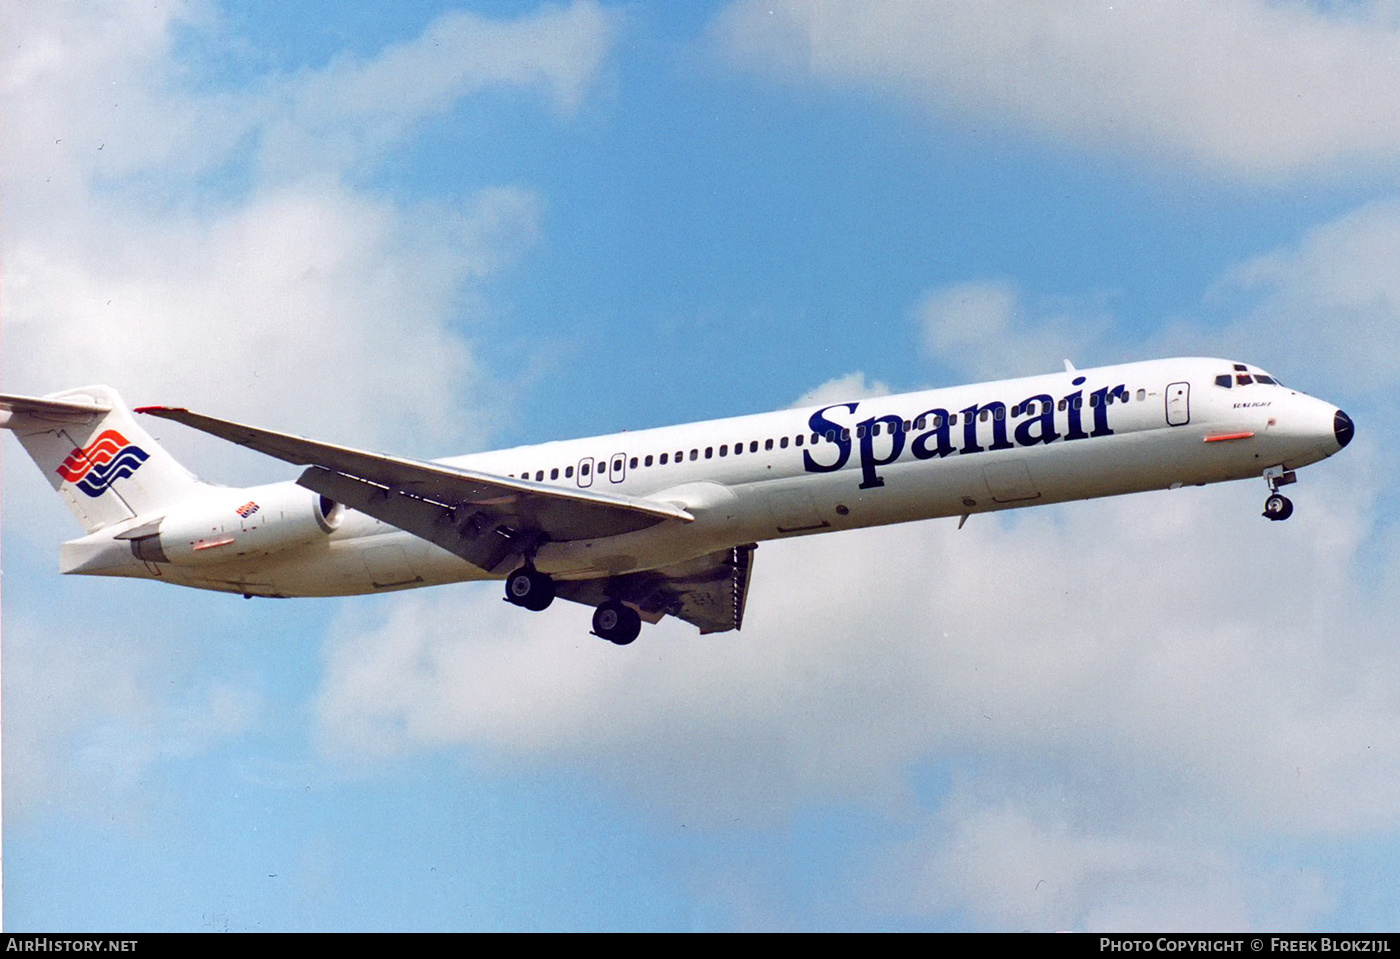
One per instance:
(106,467)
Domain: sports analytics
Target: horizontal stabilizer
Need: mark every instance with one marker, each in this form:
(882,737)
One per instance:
(55,411)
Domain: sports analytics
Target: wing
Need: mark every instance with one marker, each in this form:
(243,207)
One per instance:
(488,520)
(708,592)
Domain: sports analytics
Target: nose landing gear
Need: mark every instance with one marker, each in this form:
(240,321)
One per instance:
(1277,506)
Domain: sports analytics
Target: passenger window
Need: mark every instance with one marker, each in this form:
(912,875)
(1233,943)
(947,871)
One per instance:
(648,459)
(554,473)
(694,455)
(568,472)
(664,458)
(1000,413)
(583,470)
(1142,395)
(782,443)
(709,452)
(723,450)
(753,446)
(633,465)
(920,423)
(1064,405)
(539,476)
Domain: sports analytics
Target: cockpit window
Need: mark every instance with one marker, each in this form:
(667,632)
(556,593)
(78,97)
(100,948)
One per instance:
(1223,380)
(1262,378)
(1243,379)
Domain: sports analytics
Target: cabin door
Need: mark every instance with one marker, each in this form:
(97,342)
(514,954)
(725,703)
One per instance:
(1178,404)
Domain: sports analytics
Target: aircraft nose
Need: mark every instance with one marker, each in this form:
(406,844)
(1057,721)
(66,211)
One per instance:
(1342,428)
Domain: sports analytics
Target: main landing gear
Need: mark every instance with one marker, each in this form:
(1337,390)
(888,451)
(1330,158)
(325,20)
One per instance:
(530,588)
(616,623)
(1277,506)
(527,587)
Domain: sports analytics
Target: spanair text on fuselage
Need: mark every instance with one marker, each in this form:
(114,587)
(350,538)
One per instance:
(947,452)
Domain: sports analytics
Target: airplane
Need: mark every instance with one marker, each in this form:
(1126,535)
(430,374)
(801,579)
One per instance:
(655,522)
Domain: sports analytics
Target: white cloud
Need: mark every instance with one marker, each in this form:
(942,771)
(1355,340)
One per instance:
(1017,869)
(1147,659)
(319,310)
(300,301)
(90,712)
(1249,88)
(852,386)
(982,329)
(1329,304)
(349,112)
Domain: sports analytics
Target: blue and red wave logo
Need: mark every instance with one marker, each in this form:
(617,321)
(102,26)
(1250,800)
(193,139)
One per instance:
(95,467)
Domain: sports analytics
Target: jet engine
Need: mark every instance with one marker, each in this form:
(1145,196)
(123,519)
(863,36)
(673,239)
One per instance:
(232,524)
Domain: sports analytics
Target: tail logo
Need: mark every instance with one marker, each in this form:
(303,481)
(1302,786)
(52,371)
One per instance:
(95,467)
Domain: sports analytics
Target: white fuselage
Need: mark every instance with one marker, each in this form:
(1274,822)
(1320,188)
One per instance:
(946,452)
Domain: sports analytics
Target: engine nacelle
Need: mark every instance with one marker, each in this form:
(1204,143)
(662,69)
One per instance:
(230,524)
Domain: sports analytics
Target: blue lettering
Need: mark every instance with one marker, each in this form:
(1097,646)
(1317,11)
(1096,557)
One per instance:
(840,438)
(996,412)
(1099,399)
(1076,429)
(931,431)
(1045,420)
(939,432)
(868,462)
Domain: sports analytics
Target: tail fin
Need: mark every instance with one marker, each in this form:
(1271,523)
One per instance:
(106,467)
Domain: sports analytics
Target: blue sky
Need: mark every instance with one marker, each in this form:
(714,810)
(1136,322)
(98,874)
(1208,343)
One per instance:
(433,228)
